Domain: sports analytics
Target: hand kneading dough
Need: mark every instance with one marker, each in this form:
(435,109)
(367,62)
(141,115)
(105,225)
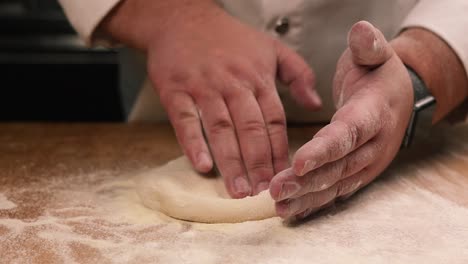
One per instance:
(178,191)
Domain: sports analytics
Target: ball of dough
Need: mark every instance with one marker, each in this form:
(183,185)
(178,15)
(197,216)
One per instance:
(178,191)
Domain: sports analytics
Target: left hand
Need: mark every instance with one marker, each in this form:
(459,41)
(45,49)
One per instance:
(374,97)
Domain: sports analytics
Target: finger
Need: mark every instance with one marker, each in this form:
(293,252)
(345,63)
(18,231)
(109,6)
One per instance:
(287,185)
(358,121)
(253,138)
(292,207)
(298,76)
(275,120)
(311,211)
(303,215)
(188,129)
(368,45)
(221,135)
(348,186)
(316,200)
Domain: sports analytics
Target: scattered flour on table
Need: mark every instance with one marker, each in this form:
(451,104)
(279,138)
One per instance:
(5,204)
(406,217)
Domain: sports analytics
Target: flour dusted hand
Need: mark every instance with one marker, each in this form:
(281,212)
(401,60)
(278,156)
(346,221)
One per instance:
(372,91)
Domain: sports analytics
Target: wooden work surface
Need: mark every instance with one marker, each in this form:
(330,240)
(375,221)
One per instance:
(37,159)
(36,153)
(46,169)
(31,153)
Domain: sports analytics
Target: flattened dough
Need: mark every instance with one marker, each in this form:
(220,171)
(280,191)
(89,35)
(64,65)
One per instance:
(180,192)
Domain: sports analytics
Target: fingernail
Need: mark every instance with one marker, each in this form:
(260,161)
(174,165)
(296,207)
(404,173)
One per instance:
(242,186)
(308,166)
(204,162)
(307,213)
(288,189)
(376,45)
(294,207)
(264,185)
(304,214)
(316,98)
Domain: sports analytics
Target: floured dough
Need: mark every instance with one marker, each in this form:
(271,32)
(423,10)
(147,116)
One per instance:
(178,191)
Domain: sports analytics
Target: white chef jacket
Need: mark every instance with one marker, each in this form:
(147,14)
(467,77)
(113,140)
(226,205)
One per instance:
(318,32)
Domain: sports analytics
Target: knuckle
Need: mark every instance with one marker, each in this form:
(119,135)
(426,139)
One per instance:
(275,117)
(345,168)
(185,116)
(180,77)
(314,181)
(253,127)
(277,123)
(339,189)
(353,134)
(312,184)
(333,149)
(239,68)
(265,80)
(258,165)
(237,89)
(347,187)
(374,149)
(220,125)
(325,177)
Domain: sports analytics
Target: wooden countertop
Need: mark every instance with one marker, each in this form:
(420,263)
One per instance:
(32,151)
(41,162)
(31,154)
(36,159)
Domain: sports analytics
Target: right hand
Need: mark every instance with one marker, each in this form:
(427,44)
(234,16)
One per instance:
(217,74)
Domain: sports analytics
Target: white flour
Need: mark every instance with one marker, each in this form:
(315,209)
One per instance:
(413,214)
(5,204)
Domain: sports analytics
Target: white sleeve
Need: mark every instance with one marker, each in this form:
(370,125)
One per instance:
(447,19)
(85,15)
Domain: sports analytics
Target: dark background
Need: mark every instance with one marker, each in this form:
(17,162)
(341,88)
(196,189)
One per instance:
(46,72)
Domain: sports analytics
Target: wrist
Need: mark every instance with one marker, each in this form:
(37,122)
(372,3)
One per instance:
(437,65)
(137,23)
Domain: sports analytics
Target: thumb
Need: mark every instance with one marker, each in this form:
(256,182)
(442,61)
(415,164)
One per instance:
(368,45)
(294,72)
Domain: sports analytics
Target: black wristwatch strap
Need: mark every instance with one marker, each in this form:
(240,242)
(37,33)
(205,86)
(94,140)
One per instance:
(423,102)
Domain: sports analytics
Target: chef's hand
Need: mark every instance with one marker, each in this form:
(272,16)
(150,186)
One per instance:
(373,94)
(216,74)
